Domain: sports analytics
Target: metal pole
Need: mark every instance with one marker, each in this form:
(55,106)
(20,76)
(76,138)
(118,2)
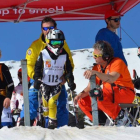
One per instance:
(94,102)
(25,92)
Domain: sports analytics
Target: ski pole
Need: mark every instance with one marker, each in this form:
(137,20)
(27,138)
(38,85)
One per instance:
(74,108)
(39,105)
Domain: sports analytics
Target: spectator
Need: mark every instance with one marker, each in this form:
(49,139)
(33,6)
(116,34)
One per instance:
(112,19)
(17,96)
(6,87)
(7,118)
(117,85)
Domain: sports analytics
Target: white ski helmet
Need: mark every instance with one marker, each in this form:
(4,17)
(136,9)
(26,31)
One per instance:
(55,37)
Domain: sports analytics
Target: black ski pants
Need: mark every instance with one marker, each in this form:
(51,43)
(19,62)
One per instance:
(1,106)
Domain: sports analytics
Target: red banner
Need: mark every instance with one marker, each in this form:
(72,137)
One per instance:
(35,10)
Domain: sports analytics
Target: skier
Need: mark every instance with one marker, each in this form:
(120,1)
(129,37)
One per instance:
(52,65)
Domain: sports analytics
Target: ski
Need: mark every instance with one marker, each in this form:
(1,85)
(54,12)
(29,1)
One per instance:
(94,100)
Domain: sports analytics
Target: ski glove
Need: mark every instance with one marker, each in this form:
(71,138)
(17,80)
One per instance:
(70,79)
(72,86)
(37,84)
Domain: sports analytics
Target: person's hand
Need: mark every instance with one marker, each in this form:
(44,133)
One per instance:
(6,103)
(138,52)
(89,73)
(63,80)
(72,86)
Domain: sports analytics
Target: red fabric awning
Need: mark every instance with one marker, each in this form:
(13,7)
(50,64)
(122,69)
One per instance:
(35,10)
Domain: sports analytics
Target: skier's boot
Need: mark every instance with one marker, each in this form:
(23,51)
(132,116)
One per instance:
(22,122)
(52,124)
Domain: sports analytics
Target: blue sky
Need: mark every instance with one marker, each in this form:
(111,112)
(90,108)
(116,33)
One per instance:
(15,38)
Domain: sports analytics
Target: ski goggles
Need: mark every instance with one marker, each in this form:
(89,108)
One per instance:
(47,28)
(97,55)
(57,42)
(116,19)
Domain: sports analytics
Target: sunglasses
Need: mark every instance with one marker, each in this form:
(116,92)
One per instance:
(56,42)
(116,19)
(46,28)
(97,55)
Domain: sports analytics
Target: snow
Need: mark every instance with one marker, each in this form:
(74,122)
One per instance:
(70,133)
(83,60)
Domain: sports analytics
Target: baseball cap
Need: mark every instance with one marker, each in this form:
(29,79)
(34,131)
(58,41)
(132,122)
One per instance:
(111,13)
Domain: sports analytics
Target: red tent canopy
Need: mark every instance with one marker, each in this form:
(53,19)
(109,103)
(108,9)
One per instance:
(35,10)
